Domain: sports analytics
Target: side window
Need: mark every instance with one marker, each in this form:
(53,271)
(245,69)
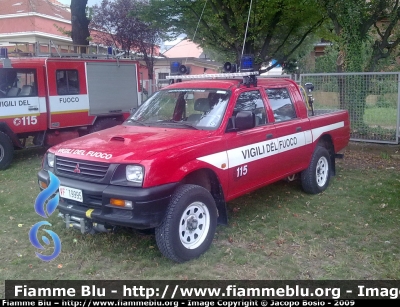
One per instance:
(281,104)
(67,82)
(252,101)
(17,82)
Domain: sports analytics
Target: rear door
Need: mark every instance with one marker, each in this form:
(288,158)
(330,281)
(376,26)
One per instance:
(292,133)
(112,87)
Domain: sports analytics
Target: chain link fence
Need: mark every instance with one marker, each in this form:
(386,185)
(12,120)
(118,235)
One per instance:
(372,100)
(149,87)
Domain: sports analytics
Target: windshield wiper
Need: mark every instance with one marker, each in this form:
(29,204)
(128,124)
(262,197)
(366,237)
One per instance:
(173,122)
(187,124)
(136,122)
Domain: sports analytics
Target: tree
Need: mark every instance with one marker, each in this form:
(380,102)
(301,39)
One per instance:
(115,26)
(147,42)
(367,32)
(360,25)
(120,25)
(276,27)
(80,23)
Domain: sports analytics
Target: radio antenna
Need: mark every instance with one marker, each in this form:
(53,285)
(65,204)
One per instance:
(247,26)
(201,15)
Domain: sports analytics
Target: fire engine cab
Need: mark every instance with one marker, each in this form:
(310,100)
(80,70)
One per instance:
(189,149)
(53,99)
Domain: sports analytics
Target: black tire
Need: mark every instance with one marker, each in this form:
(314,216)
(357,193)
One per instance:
(315,179)
(191,206)
(103,123)
(6,151)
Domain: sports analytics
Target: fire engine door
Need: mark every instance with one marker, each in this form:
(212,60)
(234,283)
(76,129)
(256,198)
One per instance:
(68,97)
(20,106)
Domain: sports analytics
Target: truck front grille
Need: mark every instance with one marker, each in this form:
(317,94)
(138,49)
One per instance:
(81,169)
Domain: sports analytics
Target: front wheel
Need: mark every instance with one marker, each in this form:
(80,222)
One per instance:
(189,224)
(315,179)
(6,151)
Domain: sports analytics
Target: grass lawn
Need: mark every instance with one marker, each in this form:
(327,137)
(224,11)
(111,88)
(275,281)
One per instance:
(384,117)
(351,231)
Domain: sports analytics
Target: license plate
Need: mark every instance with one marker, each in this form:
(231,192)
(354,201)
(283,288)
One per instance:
(70,193)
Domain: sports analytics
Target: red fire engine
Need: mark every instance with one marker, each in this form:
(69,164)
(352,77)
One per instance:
(53,99)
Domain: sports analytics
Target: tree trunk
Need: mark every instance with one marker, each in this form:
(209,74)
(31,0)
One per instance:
(80,23)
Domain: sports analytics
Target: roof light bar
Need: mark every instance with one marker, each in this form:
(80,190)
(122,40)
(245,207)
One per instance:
(213,76)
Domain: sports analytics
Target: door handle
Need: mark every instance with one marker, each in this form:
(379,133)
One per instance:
(298,129)
(269,136)
(33,108)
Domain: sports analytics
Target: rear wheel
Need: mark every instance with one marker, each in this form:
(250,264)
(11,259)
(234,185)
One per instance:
(189,225)
(6,151)
(315,179)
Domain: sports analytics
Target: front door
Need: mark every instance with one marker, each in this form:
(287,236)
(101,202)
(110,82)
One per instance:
(249,150)
(21,107)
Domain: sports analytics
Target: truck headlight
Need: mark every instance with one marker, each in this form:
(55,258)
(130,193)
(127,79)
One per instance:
(50,159)
(134,173)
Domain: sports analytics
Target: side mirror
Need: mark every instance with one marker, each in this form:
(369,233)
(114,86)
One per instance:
(245,120)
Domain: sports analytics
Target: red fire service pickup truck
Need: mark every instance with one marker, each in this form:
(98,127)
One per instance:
(189,149)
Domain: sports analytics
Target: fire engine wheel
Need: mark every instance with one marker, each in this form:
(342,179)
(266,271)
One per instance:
(103,123)
(6,151)
(315,179)
(189,224)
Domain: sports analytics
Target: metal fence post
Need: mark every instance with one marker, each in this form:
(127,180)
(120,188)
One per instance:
(398,109)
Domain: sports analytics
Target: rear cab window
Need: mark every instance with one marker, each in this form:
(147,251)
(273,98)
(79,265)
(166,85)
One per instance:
(281,104)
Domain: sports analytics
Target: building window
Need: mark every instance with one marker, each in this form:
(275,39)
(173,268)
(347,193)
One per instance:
(163,75)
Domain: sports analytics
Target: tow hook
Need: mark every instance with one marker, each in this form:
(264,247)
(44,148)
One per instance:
(83,224)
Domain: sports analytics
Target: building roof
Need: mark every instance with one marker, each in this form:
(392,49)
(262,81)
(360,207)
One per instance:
(51,8)
(184,48)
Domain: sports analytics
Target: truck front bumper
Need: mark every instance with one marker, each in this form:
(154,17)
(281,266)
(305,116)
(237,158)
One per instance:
(95,212)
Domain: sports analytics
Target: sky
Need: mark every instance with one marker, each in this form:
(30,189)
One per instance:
(90,2)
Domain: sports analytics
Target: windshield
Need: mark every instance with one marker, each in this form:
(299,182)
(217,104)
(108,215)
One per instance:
(183,108)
